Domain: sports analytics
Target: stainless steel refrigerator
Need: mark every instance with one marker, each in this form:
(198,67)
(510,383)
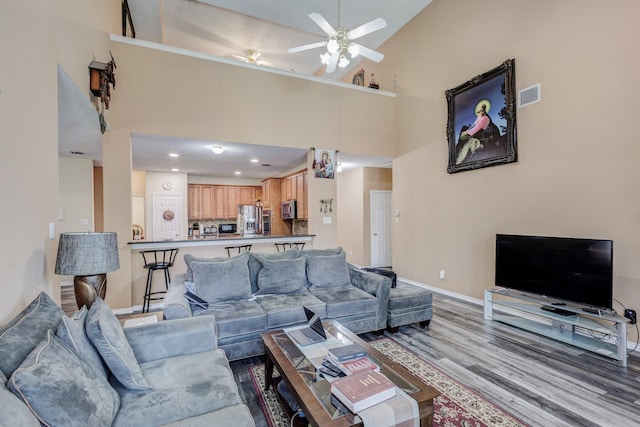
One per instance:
(250,220)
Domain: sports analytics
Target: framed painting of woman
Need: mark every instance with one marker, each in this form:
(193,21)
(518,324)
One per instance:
(481,125)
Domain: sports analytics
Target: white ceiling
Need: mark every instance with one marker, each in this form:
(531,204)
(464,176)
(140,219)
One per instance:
(228,29)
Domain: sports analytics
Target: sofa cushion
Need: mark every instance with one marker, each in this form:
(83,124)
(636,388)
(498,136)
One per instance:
(25,331)
(72,332)
(236,416)
(255,266)
(188,259)
(346,301)
(183,386)
(61,389)
(405,296)
(285,276)
(222,281)
(286,310)
(237,317)
(311,253)
(106,334)
(328,271)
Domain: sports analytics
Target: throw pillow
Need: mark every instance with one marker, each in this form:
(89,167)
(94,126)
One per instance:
(106,334)
(72,332)
(255,265)
(61,389)
(188,259)
(328,271)
(222,281)
(25,331)
(281,276)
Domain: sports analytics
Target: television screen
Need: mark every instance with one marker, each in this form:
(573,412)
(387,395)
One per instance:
(579,270)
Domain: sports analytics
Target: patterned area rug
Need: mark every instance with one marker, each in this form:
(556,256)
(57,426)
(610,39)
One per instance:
(457,406)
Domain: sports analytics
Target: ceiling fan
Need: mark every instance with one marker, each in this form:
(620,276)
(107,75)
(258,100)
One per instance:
(251,56)
(339,43)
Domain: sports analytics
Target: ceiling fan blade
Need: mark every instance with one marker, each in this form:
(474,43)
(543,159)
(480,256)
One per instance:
(333,63)
(370,54)
(307,47)
(322,23)
(367,28)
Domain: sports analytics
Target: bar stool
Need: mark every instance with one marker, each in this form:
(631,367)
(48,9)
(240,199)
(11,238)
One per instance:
(157,259)
(239,248)
(288,245)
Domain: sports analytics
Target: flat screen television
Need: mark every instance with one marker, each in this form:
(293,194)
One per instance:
(576,270)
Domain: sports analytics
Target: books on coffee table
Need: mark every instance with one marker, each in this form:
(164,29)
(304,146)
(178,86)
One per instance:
(346,352)
(363,390)
(360,364)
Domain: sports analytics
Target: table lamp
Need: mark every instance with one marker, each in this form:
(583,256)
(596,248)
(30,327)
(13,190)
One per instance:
(88,257)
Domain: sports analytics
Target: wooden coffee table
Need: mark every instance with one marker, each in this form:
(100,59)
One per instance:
(313,393)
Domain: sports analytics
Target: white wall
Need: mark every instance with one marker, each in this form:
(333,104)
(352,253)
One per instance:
(76,194)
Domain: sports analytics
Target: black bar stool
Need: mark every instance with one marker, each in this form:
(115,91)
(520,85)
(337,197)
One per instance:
(239,248)
(157,259)
(288,245)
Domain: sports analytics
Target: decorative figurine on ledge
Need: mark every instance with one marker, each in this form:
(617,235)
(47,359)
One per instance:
(373,84)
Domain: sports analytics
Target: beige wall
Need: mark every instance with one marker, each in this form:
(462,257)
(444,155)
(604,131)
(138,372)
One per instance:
(577,170)
(354,216)
(36,36)
(75,194)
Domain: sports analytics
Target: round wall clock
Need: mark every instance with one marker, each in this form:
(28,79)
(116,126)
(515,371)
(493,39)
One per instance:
(167,185)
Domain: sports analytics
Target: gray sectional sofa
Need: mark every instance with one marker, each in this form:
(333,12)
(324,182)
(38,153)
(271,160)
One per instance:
(253,293)
(85,370)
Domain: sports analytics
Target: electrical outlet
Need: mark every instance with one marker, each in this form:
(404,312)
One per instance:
(631,315)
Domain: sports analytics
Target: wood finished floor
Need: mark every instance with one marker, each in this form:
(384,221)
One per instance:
(540,381)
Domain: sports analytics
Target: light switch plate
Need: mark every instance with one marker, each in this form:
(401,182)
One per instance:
(52,230)
(326,220)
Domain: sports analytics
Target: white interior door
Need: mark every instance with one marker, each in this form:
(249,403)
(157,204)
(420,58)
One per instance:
(167,217)
(381,228)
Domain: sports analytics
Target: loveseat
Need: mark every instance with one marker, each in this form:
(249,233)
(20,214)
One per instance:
(85,370)
(253,293)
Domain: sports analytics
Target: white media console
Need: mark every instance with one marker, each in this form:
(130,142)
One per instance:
(581,329)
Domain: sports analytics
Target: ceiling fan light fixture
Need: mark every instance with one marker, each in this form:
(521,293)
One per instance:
(325,58)
(353,50)
(332,46)
(217,149)
(343,62)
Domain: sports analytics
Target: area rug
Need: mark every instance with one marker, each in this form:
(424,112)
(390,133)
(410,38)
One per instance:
(457,405)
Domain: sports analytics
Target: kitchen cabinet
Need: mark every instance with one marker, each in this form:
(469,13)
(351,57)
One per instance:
(301,195)
(266,194)
(218,201)
(200,202)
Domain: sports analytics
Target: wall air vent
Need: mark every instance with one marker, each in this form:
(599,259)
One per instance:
(529,96)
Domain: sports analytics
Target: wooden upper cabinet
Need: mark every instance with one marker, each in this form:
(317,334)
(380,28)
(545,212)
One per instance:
(219,201)
(266,194)
(247,195)
(301,193)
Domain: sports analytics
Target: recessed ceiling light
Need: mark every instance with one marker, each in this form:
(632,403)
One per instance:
(238,173)
(175,170)
(217,149)
(254,160)
(173,155)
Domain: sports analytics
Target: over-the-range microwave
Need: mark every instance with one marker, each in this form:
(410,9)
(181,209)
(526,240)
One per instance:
(289,209)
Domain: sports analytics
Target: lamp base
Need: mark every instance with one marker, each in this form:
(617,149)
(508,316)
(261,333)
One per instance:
(87,288)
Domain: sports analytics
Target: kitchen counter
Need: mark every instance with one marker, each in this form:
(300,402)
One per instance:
(223,240)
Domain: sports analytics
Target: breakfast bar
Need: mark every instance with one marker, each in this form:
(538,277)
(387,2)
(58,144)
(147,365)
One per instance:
(206,247)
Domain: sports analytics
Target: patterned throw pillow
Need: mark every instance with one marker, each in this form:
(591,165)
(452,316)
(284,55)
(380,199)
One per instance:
(106,334)
(27,330)
(61,389)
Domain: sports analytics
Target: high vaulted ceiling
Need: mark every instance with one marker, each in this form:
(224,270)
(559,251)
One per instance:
(230,29)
